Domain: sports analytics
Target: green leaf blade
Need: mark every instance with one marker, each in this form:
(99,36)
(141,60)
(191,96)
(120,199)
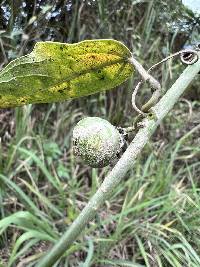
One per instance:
(56,72)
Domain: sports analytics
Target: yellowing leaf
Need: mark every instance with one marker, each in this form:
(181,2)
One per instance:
(57,71)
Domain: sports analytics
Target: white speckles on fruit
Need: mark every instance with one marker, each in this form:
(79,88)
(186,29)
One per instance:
(96,141)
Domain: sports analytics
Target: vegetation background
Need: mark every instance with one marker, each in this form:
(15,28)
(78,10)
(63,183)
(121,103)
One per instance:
(153,217)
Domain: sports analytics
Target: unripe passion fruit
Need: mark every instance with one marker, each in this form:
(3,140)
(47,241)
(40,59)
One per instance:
(96,141)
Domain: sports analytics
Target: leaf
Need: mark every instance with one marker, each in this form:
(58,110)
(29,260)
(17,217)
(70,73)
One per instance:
(57,71)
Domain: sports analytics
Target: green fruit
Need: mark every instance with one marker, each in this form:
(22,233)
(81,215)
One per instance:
(96,141)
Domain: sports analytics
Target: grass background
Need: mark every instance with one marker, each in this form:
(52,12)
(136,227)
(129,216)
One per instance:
(153,216)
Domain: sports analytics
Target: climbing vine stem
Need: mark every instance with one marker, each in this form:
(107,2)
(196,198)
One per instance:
(125,163)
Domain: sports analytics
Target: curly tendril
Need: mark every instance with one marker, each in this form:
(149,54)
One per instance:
(187,56)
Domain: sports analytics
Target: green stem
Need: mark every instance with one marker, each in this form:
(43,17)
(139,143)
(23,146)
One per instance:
(125,163)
